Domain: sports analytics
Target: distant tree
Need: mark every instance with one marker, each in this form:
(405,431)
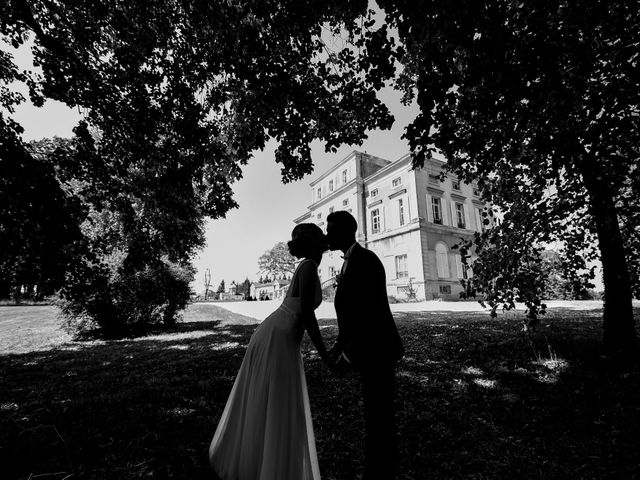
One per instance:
(244,288)
(538,102)
(221,287)
(277,261)
(207,282)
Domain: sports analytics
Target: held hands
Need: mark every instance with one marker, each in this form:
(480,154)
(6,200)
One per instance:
(336,363)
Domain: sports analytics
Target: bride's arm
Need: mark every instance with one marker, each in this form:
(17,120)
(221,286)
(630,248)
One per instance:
(307,282)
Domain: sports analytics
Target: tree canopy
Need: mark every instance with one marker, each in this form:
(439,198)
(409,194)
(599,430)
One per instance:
(277,262)
(540,104)
(176,96)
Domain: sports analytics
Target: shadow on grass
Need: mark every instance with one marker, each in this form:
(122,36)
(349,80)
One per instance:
(476,399)
(119,409)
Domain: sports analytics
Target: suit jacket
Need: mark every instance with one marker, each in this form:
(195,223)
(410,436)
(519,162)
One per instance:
(367,332)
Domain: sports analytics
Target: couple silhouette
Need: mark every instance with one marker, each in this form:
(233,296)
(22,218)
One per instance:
(265,431)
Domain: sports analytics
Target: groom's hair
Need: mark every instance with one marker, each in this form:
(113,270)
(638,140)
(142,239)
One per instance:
(343,220)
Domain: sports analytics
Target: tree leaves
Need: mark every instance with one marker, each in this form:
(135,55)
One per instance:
(277,262)
(516,96)
(176,97)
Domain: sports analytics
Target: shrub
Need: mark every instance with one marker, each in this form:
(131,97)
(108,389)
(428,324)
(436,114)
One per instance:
(110,301)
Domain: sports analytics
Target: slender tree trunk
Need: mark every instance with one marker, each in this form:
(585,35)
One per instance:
(618,324)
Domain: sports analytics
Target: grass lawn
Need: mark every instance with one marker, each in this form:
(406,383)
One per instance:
(477,399)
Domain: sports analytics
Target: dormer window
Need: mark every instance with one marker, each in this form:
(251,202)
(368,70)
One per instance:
(374,193)
(396,182)
(455,184)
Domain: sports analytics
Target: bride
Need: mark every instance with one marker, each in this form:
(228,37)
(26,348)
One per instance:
(265,432)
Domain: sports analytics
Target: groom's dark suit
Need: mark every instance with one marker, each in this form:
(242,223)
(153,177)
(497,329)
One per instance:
(369,340)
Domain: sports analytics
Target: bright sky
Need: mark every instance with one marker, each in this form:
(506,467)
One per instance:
(267,207)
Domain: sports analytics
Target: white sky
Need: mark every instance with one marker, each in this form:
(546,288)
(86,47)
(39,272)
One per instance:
(267,207)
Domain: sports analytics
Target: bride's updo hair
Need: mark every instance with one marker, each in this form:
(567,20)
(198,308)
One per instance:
(305,239)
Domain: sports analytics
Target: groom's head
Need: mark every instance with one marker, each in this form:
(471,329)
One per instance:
(341,230)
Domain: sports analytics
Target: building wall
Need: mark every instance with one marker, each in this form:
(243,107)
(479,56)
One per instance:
(448,232)
(393,205)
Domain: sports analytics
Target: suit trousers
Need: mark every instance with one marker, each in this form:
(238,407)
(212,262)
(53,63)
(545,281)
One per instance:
(378,396)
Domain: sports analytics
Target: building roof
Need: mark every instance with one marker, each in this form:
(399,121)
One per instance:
(343,161)
(335,167)
(402,161)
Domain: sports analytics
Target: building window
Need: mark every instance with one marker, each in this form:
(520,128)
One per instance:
(401,266)
(462,271)
(344,176)
(332,272)
(479,221)
(319,193)
(434,178)
(445,289)
(345,202)
(331,185)
(401,212)
(460,215)
(436,208)
(396,182)
(330,209)
(476,191)
(375,221)
(374,192)
(455,184)
(442,260)
(319,215)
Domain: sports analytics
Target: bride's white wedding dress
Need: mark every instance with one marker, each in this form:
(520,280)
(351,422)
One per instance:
(265,432)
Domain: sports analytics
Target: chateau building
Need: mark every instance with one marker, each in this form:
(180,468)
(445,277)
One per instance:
(409,218)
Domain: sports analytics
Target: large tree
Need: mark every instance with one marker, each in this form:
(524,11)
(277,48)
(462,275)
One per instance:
(277,261)
(176,96)
(540,103)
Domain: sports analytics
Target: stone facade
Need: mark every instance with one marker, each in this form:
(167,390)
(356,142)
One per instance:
(270,290)
(409,218)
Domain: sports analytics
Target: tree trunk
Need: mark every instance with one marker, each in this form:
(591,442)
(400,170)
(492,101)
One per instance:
(618,324)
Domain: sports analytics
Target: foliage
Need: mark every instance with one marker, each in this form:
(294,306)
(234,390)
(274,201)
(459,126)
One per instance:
(277,262)
(221,287)
(176,96)
(39,221)
(538,103)
(119,303)
(557,285)
(475,399)
(244,288)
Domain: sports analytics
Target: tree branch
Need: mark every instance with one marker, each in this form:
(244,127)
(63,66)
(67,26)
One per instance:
(25,14)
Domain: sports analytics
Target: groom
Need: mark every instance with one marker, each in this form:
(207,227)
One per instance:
(368,341)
